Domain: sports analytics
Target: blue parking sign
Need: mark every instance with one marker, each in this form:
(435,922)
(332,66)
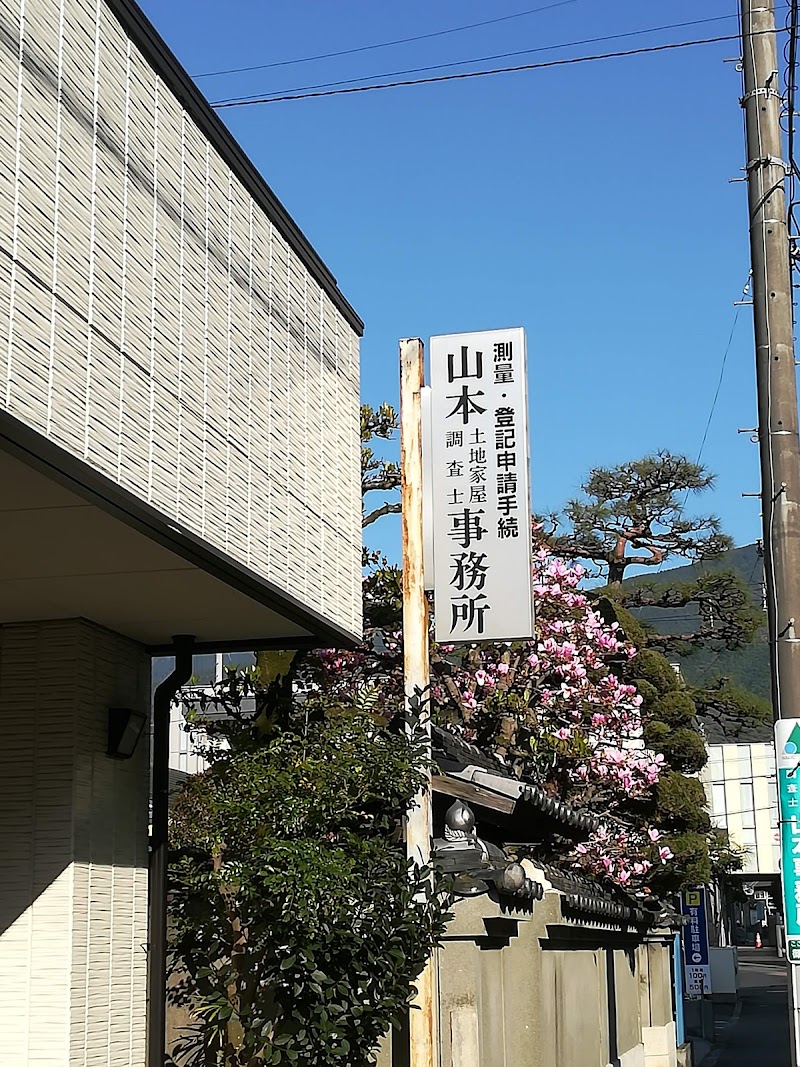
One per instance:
(695,943)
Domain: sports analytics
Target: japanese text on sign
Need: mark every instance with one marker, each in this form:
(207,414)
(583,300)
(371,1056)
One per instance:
(697,967)
(480,487)
(787,758)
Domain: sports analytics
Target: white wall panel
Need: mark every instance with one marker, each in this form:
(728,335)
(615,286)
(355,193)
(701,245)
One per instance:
(73,909)
(155,321)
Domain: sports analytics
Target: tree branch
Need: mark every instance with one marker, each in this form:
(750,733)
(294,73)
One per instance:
(386,480)
(378,513)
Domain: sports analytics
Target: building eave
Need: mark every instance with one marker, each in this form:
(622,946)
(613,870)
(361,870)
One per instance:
(47,458)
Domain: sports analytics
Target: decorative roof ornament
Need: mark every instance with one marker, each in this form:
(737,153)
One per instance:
(459,824)
(476,865)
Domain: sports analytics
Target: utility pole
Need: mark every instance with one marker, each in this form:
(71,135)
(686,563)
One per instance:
(775,370)
(416,663)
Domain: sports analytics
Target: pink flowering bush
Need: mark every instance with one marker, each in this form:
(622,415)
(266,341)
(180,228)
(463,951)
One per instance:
(553,709)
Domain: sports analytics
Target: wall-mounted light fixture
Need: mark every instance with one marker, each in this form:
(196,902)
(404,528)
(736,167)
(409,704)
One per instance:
(125,726)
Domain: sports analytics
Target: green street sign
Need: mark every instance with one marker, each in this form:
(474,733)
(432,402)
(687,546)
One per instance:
(787,759)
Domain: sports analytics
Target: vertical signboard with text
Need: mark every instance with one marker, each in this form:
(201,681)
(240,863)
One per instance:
(480,487)
(697,967)
(787,759)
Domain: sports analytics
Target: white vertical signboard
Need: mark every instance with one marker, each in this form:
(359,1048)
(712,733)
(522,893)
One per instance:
(480,487)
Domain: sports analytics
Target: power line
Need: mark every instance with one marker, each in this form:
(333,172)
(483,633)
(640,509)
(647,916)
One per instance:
(682,506)
(722,370)
(386,44)
(485,73)
(480,59)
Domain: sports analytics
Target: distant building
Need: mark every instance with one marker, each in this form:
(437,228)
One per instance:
(741,787)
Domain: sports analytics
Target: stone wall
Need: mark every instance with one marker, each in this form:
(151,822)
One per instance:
(540,988)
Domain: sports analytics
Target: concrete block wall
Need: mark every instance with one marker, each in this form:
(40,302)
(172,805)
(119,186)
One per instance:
(532,988)
(73,898)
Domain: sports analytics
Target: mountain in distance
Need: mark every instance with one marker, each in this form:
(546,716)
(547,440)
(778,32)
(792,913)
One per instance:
(746,667)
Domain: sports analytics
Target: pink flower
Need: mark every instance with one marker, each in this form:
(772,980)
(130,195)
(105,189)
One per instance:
(653,834)
(665,854)
(502,668)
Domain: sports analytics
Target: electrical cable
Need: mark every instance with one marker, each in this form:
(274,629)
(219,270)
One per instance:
(385,44)
(479,59)
(722,371)
(682,505)
(573,61)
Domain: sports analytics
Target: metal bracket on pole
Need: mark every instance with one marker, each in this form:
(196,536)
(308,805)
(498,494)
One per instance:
(761,91)
(767,161)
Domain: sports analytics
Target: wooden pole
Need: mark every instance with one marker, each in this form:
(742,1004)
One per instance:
(422,1021)
(775,369)
(775,375)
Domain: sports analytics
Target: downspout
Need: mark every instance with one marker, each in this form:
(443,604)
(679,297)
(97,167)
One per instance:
(157,880)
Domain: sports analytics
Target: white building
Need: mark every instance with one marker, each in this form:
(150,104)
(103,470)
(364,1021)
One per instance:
(741,787)
(179,442)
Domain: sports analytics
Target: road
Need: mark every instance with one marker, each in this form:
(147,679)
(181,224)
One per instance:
(760,1035)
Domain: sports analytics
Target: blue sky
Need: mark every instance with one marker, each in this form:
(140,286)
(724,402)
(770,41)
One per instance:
(590,204)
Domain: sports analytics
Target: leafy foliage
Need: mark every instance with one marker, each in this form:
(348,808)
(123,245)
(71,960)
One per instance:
(640,505)
(634,515)
(553,709)
(297,925)
(728,710)
(377,473)
(703,662)
(681,803)
(723,614)
(678,808)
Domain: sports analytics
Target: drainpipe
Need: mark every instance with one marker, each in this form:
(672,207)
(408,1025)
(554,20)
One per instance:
(677,970)
(157,881)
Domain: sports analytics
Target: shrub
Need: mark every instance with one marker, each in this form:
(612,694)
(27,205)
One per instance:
(298,927)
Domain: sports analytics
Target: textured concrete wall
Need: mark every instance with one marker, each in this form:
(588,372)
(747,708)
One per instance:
(157,324)
(533,989)
(73,898)
(628,1014)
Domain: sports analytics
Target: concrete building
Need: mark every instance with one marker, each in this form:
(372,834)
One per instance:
(178,455)
(741,787)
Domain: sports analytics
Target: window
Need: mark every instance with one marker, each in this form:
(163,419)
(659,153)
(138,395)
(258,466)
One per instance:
(718,807)
(747,805)
(749,841)
(240,660)
(744,766)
